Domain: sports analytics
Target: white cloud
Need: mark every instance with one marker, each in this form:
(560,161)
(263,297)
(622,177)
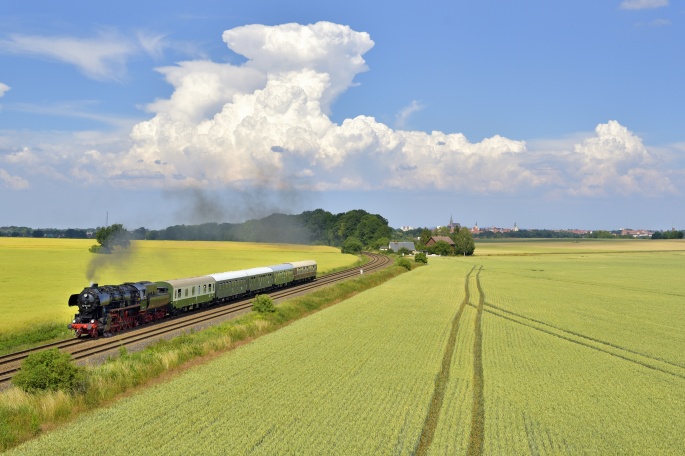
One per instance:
(12,182)
(642,4)
(402,116)
(152,44)
(102,57)
(332,49)
(3,88)
(83,109)
(265,123)
(203,87)
(615,161)
(67,157)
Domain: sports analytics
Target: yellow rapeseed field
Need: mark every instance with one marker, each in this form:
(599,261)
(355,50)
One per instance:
(37,276)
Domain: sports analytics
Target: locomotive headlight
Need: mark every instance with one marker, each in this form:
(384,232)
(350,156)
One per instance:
(92,321)
(73,321)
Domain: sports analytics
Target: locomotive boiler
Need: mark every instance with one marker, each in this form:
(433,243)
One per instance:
(111,308)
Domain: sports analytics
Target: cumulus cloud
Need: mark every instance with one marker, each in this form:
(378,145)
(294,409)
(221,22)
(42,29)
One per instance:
(3,88)
(264,123)
(615,161)
(642,4)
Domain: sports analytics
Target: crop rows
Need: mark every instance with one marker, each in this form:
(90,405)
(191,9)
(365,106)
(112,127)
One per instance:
(489,355)
(356,378)
(572,366)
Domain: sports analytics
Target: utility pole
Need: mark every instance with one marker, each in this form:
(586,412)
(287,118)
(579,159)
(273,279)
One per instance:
(107,220)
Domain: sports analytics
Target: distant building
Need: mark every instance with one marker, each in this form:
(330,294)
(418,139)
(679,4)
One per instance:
(396,246)
(435,239)
(452,225)
(406,228)
(636,233)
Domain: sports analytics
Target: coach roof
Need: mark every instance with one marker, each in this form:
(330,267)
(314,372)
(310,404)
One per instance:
(229,275)
(299,264)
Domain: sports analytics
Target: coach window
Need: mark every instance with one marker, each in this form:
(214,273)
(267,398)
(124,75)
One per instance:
(193,291)
(186,292)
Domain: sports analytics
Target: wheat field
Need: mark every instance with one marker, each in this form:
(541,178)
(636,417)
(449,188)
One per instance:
(525,351)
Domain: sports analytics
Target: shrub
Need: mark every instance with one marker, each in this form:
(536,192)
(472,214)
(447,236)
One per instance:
(352,245)
(263,304)
(421,258)
(441,248)
(50,370)
(404,262)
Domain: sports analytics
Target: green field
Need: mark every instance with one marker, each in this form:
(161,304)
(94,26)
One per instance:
(37,276)
(525,348)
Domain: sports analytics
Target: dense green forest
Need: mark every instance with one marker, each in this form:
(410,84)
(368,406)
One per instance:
(310,227)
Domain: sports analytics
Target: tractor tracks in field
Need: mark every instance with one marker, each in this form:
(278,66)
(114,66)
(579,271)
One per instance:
(626,354)
(476,434)
(477,423)
(476,437)
(431,423)
(633,356)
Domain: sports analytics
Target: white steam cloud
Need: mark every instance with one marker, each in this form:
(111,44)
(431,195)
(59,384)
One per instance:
(3,88)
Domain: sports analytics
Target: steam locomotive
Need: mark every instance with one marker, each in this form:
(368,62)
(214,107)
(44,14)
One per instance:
(103,310)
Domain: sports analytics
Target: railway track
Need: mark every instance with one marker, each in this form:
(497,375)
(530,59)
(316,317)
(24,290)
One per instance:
(86,348)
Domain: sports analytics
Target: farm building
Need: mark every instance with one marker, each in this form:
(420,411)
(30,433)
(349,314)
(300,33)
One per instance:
(396,246)
(435,239)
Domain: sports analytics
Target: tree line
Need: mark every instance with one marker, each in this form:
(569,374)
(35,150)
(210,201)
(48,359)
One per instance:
(353,228)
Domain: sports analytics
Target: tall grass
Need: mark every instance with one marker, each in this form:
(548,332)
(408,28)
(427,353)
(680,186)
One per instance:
(23,416)
(32,336)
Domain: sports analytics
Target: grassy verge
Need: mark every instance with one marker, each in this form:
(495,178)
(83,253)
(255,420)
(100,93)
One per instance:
(32,337)
(24,416)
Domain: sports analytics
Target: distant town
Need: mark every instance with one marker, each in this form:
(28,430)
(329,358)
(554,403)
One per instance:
(516,232)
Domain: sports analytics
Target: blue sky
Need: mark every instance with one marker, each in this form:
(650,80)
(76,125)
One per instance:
(564,114)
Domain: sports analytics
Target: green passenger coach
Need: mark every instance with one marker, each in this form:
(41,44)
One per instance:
(190,293)
(230,285)
(304,270)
